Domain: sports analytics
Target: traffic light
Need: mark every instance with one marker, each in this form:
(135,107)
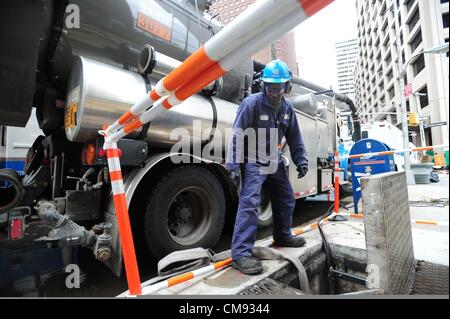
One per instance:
(413,119)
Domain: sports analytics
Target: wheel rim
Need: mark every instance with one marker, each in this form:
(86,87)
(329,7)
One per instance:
(265,207)
(189,215)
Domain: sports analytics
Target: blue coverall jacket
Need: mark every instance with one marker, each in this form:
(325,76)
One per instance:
(256,113)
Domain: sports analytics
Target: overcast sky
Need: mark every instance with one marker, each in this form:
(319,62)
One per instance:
(316,37)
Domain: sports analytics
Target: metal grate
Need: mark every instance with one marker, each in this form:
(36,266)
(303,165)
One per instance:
(431,279)
(268,286)
(388,231)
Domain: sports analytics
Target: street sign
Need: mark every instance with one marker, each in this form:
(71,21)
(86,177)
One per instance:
(413,119)
(435,124)
(408,90)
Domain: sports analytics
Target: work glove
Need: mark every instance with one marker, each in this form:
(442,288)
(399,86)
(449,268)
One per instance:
(234,177)
(302,170)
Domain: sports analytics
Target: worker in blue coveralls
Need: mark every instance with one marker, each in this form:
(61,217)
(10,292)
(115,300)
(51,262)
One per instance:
(272,117)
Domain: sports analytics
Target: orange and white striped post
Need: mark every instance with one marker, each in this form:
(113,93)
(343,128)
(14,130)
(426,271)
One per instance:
(336,182)
(115,175)
(247,34)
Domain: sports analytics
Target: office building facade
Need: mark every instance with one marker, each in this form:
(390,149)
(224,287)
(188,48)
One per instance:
(421,25)
(346,55)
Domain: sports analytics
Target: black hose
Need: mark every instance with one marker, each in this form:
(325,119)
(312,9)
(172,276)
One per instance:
(355,115)
(214,123)
(330,264)
(329,256)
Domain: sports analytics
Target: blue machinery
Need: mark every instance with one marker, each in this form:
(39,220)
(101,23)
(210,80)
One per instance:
(368,165)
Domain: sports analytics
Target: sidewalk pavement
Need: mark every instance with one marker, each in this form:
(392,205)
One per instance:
(431,241)
(429,209)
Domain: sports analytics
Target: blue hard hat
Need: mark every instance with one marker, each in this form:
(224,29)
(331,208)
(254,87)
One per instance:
(276,72)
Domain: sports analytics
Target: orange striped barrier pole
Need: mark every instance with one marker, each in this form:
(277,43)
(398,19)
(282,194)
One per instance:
(247,34)
(185,277)
(416,149)
(336,194)
(126,237)
(336,183)
(429,222)
(147,290)
(413,221)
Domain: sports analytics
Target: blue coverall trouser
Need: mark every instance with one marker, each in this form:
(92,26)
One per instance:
(283,204)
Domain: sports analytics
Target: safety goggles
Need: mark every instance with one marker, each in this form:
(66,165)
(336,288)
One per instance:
(275,89)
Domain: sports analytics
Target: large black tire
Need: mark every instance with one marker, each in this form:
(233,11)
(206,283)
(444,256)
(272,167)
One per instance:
(186,210)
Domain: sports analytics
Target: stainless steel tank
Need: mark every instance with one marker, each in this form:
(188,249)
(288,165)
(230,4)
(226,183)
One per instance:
(115,32)
(306,103)
(99,94)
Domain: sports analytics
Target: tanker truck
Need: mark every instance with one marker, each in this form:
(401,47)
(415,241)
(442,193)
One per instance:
(80,65)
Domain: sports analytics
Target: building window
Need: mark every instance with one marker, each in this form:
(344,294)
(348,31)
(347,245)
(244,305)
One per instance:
(445,20)
(416,41)
(391,93)
(378,59)
(394,119)
(419,65)
(424,97)
(414,19)
(388,59)
(389,75)
(409,4)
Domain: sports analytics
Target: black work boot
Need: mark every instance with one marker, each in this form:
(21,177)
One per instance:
(248,265)
(291,242)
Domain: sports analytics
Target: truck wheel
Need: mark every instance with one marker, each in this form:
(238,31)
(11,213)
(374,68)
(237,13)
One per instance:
(265,218)
(186,210)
